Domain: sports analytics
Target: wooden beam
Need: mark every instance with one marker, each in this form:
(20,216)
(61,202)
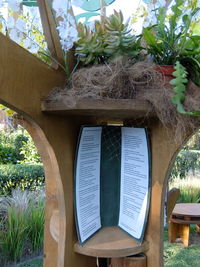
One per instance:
(118,109)
(50,31)
(24,77)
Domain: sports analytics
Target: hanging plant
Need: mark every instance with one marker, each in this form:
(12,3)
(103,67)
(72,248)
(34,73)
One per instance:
(180,88)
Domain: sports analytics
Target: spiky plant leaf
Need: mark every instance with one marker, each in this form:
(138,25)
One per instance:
(180,87)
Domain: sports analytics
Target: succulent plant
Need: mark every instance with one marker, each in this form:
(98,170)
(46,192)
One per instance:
(91,44)
(110,38)
(119,40)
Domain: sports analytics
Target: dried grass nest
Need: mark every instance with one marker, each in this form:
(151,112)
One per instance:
(141,81)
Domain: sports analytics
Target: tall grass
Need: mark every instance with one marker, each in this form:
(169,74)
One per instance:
(22,222)
(14,234)
(189,189)
(35,223)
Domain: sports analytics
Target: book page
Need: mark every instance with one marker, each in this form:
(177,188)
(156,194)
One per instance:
(134,180)
(88,182)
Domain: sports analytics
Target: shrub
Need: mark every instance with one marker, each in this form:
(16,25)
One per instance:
(22,222)
(29,153)
(8,155)
(19,143)
(186,160)
(17,147)
(22,176)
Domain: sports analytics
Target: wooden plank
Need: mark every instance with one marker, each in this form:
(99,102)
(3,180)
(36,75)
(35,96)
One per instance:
(100,108)
(52,37)
(187,209)
(24,80)
(111,242)
(23,77)
(50,31)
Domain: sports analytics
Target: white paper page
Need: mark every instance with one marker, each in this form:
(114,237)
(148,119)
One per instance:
(134,180)
(88,182)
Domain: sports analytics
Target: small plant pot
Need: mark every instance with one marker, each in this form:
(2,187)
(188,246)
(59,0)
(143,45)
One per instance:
(166,71)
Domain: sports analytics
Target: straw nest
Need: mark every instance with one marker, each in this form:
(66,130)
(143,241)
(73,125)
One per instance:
(141,81)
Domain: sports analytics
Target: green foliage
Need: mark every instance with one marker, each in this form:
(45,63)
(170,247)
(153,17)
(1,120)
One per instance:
(119,40)
(108,40)
(19,142)
(179,256)
(7,155)
(35,221)
(21,176)
(29,153)
(189,189)
(188,159)
(91,44)
(179,82)
(13,236)
(22,217)
(171,39)
(190,194)
(17,147)
(8,138)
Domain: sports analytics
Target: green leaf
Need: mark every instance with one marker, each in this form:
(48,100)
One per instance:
(180,88)
(150,39)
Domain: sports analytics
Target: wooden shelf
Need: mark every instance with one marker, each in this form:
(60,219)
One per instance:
(101,108)
(111,242)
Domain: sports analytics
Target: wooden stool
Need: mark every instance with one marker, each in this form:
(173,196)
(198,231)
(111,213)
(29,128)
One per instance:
(183,215)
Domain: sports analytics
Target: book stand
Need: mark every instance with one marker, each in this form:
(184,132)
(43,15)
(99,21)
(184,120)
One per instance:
(110,242)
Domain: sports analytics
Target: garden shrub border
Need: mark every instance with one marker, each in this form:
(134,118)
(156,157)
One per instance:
(22,176)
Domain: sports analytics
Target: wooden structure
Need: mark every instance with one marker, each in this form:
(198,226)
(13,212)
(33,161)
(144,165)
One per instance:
(24,82)
(139,261)
(172,198)
(182,216)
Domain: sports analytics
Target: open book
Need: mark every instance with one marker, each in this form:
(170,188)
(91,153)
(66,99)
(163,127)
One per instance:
(112,180)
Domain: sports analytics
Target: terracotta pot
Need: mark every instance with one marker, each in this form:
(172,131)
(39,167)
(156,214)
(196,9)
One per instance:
(166,71)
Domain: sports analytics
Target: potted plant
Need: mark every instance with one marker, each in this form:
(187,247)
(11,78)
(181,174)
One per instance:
(173,40)
(110,38)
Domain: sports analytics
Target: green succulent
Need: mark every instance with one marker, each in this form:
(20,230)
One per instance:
(110,38)
(91,44)
(119,40)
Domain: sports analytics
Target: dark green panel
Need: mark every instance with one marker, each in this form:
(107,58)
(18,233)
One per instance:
(110,175)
